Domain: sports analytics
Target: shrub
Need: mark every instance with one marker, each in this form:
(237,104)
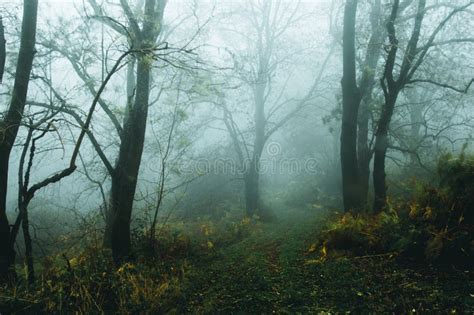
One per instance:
(446,212)
(360,234)
(437,225)
(181,239)
(153,282)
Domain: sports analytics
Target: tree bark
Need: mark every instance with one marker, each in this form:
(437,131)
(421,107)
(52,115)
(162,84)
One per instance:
(252,197)
(3,50)
(364,155)
(380,151)
(124,180)
(367,82)
(10,125)
(391,88)
(125,174)
(7,252)
(109,214)
(416,122)
(252,193)
(351,191)
(25,225)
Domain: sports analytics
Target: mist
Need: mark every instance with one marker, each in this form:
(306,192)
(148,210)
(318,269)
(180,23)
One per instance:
(202,156)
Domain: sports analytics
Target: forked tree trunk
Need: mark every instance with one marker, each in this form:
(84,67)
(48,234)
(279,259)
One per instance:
(392,88)
(131,84)
(124,180)
(125,174)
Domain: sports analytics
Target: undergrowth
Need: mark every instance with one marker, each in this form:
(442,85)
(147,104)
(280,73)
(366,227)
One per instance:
(414,256)
(436,225)
(89,282)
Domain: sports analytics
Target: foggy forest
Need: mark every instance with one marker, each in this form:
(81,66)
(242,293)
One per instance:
(236,156)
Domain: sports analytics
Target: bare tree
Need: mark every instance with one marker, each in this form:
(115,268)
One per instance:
(10,124)
(143,34)
(270,21)
(124,178)
(24,195)
(413,57)
(144,25)
(366,86)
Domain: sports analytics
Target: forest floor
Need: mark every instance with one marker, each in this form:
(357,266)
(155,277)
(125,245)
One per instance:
(248,267)
(274,271)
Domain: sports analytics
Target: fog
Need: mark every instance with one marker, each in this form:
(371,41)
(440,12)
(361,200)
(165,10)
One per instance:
(172,112)
(222,33)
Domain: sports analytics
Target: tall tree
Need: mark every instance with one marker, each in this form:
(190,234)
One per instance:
(270,22)
(125,174)
(351,190)
(143,32)
(11,122)
(366,71)
(396,76)
(366,86)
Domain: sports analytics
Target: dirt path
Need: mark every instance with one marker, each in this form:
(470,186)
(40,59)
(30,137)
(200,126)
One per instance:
(266,273)
(256,275)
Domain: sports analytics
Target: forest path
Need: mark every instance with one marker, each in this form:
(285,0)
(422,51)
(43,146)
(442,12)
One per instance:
(263,273)
(271,271)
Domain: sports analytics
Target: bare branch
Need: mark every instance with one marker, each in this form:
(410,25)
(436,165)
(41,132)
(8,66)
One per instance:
(447,86)
(86,78)
(131,19)
(433,36)
(112,23)
(448,42)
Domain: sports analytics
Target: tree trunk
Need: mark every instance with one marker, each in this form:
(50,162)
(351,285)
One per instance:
(125,174)
(363,151)
(131,83)
(3,50)
(7,252)
(350,106)
(367,82)
(252,197)
(380,151)
(416,120)
(25,224)
(107,241)
(9,127)
(124,180)
(380,188)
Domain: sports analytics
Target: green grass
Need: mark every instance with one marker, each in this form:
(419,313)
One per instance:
(267,273)
(269,270)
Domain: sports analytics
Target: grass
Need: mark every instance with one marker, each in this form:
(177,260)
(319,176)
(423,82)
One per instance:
(252,267)
(272,272)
